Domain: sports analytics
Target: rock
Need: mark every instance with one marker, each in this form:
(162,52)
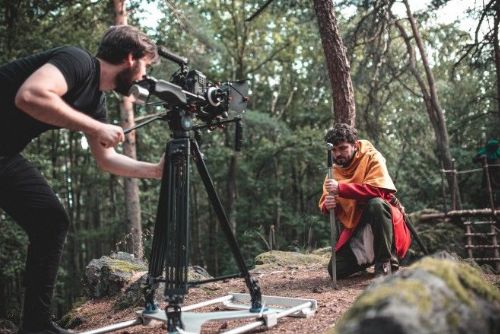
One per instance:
(133,296)
(124,276)
(283,260)
(107,276)
(435,295)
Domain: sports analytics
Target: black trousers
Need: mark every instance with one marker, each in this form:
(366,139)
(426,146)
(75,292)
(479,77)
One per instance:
(377,219)
(26,196)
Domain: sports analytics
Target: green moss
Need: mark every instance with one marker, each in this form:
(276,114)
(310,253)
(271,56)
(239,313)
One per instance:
(461,278)
(453,319)
(323,252)
(125,266)
(410,291)
(283,259)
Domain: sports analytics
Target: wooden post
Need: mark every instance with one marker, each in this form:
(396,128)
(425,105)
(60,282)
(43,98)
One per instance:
(453,186)
(272,240)
(468,234)
(443,187)
(492,206)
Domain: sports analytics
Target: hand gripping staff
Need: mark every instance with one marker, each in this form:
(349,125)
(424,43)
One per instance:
(333,224)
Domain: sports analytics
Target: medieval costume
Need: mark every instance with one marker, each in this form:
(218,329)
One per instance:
(372,222)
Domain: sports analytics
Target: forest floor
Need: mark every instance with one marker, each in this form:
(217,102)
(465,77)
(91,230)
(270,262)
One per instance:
(310,282)
(303,281)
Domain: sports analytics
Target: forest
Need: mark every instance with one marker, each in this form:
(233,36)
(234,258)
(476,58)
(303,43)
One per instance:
(426,94)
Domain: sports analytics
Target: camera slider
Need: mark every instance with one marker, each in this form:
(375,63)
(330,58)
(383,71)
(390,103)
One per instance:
(236,307)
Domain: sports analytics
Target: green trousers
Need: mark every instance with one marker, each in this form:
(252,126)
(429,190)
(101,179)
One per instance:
(372,241)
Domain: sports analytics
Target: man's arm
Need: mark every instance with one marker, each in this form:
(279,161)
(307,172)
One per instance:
(109,160)
(361,191)
(355,190)
(40,96)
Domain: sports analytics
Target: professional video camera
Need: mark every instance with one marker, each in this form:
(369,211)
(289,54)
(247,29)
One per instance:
(190,91)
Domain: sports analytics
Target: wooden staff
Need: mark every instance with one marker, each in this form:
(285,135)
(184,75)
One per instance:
(333,224)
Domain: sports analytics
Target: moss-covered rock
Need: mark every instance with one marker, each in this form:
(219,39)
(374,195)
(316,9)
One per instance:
(124,277)
(434,295)
(107,276)
(133,295)
(280,260)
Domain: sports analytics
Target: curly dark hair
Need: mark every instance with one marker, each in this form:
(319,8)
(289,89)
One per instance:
(119,41)
(341,132)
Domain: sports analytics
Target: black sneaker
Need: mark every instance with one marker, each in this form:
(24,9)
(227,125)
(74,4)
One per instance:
(382,268)
(50,328)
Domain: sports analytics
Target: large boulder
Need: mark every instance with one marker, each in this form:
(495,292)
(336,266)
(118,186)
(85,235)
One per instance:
(435,295)
(121,278)
(107,276)
(133,295)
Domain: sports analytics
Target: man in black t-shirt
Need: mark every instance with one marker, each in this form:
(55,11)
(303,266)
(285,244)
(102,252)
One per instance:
(62,88)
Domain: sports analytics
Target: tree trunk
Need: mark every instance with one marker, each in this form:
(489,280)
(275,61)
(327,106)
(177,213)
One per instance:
(133,207)
(496,51)
(339,71)
(429,92)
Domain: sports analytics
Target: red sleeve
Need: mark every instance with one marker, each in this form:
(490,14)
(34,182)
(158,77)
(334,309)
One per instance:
(362,191)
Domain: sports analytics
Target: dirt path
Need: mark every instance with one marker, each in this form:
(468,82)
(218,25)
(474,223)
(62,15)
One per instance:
(311,283)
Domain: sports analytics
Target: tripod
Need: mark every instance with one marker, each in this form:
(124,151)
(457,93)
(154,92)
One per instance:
(170,249)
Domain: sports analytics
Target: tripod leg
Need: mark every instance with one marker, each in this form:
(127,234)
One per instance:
(251,283)
(176,218)
(170,241)
(158,250)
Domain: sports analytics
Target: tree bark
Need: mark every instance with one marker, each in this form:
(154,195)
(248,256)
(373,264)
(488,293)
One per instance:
(339,70)
(133,206)
(429,92)
(496,50)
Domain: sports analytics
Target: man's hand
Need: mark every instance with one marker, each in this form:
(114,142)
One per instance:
(332,186)
(159,173)
(109,135)
(330,202)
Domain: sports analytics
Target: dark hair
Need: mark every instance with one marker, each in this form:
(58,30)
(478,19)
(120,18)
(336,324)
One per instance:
(119,41)
(341,132)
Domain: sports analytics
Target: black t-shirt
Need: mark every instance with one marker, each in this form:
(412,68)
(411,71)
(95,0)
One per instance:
(81,71)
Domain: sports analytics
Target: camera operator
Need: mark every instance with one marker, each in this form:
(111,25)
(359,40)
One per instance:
(62,88)
(362,194)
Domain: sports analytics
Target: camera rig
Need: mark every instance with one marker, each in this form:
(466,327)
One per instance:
(190,91)
(187,96)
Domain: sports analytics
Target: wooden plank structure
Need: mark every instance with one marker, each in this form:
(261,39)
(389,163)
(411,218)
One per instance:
(481,241)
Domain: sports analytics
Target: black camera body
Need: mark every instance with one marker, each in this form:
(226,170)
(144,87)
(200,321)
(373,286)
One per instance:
(191,91)
(196,82)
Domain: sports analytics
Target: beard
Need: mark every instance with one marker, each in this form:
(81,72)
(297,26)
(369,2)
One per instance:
(344,162)
(123,82)
(125,79)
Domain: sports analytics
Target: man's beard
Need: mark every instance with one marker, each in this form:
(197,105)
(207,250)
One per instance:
(344,162)
(123,81)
